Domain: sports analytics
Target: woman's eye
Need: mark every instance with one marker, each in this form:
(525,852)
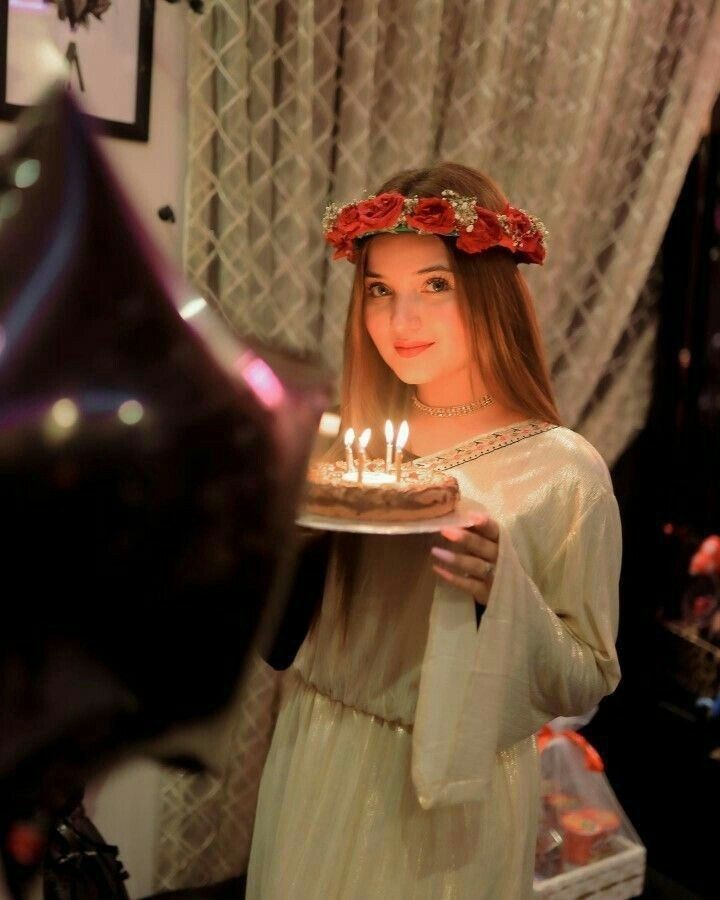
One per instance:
(377,289)
(438,284)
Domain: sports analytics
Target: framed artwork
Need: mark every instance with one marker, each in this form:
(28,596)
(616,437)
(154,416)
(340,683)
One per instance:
(106,61)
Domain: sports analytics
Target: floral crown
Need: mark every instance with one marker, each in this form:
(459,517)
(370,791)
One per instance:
(475,227)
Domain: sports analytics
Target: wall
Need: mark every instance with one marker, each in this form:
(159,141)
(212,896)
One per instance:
(154,172)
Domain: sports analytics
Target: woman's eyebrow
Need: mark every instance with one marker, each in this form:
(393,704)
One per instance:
(438,268)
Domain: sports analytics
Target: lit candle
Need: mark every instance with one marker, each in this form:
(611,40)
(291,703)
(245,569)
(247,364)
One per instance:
(402,436)
(363,441)
(389,435)
(349,441)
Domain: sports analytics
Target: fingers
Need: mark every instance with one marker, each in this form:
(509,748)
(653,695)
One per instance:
(466,541)
(463,564)
(470,564)
(485,526)
(478,590)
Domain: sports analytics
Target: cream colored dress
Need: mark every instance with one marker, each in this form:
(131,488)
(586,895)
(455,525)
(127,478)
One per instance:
(403,764)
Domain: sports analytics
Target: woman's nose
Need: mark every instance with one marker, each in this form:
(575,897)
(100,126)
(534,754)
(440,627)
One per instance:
(406,311)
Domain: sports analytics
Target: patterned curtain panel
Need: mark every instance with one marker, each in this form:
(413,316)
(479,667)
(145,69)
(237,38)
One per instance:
(205,821)
(587,112)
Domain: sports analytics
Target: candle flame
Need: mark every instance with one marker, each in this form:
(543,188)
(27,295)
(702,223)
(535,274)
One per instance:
(364,438)
(389,432)
(349,437)
(403,434)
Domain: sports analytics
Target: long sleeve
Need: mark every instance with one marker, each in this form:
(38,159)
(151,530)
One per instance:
(542,650)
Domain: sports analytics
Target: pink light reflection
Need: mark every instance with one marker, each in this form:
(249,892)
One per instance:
(261,380)
(29,5)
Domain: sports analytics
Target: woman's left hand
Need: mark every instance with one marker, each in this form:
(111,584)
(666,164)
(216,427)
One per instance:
(470,564)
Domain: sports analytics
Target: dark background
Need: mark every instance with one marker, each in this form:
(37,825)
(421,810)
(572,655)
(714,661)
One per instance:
(656,741)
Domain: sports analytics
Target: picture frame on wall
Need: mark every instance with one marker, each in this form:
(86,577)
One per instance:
(107,60)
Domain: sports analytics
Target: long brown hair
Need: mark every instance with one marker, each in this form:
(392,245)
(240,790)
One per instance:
(496,306)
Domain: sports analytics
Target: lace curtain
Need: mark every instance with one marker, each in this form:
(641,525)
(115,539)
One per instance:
(587,113)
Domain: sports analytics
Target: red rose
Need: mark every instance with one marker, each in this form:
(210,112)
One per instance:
(380,212)
(344,246)
(519,222)
(521,236)
(345,250)
(345,228)
(532,248)
(702,564)
(348,224)
(486,232)
(711,547)
(432,214)
(337,238)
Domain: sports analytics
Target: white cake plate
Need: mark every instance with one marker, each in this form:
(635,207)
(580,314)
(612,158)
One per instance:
(460,517)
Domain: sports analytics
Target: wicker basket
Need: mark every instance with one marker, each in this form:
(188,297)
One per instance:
(616,877)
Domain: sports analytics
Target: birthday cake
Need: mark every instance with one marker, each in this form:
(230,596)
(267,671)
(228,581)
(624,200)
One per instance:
(332,490)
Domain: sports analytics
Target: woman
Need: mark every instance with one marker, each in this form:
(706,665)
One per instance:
(403,763)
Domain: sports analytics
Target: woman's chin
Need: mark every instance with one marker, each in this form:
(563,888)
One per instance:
(408,378)
(403,376)
(412,374)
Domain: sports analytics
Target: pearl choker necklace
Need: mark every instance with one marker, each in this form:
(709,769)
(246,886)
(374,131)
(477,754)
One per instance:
(462,409)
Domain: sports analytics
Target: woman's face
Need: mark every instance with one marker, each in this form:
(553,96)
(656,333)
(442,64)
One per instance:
(411,308)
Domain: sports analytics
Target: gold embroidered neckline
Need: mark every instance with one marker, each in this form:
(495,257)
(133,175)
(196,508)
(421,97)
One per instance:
(482,444)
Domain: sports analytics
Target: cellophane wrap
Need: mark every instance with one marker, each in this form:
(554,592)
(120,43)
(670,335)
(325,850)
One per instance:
(581,820)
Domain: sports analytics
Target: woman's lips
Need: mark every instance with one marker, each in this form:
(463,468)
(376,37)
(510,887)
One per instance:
(411,349)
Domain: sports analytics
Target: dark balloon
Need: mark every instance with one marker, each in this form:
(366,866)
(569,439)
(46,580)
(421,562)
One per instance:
(150,464)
